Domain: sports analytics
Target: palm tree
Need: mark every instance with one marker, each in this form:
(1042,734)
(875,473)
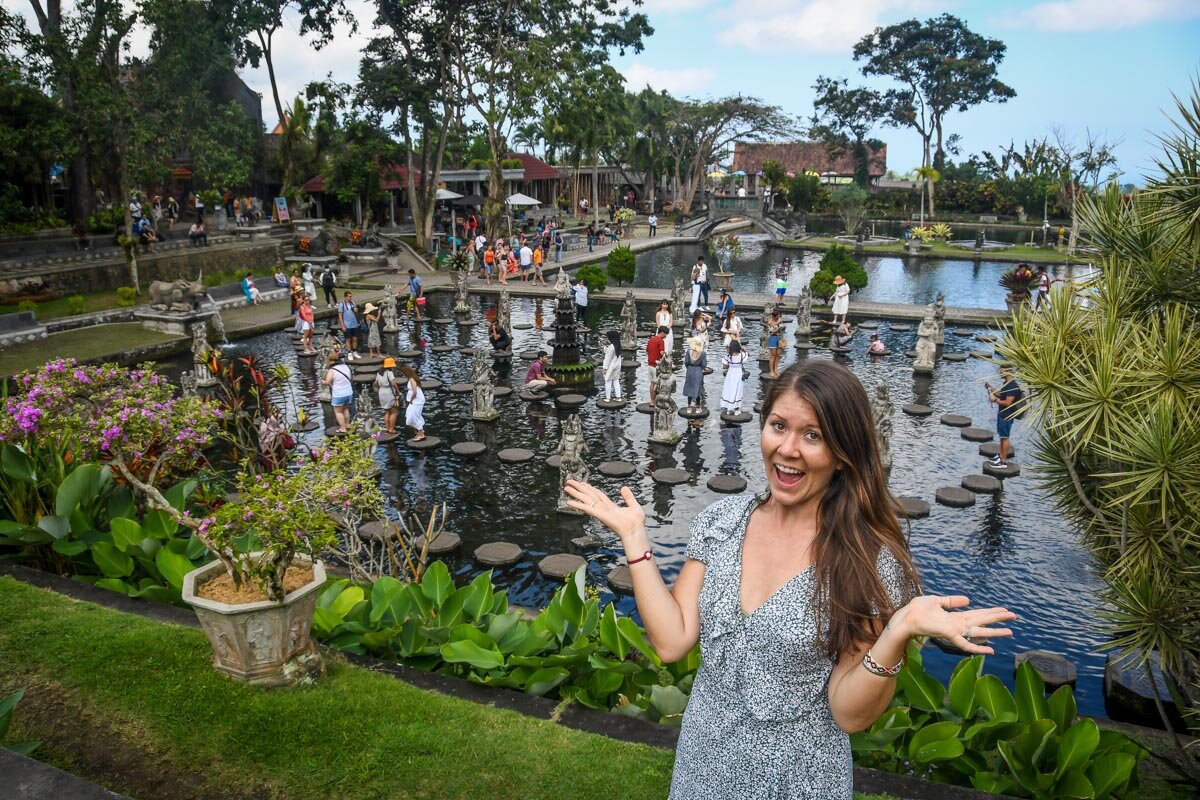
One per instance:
(928,177)
(294,138)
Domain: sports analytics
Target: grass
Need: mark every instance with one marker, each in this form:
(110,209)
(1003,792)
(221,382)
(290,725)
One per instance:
(1033,255)
(94,341)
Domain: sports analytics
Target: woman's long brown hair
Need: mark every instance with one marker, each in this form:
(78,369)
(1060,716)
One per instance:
(858,515)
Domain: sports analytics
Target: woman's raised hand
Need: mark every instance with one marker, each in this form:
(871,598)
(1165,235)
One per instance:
(627,521)
(933,615)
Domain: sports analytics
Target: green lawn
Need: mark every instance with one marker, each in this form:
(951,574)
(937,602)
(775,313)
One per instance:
(1035,255)
(93,341)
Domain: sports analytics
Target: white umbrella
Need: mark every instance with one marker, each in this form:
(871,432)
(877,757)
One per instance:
(446,194)
(519,199)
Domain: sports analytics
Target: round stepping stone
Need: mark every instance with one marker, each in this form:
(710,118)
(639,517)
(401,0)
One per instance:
(693,412)
(991,449)
(514,455)
(465,323)
(629,363)
(560,565)
(444,542)
(429,384)
(955,357)
(1054,669)
(372,530)
(986,338)
(468,351)
(1010,471)
(914,507)
(740,418)
(963,334)
(443,321)
(899,328)
(387,438)
(533,397)
(554,461)
(367,369)
(307,353)
(982,484)
(620,580)
(521,326)
(833,348)
(363,378)
(804,345)
(917,410)
(501,355)
(981,354)
(570,400)
(880,353)
(501,391)
(334,432)
(727,484)
(956,420)
(670,476)
(309,425)
(587,542)
(367,361)
(468,449)
(910,353)
(428,443)
(616,469)
(443,348)
(758,408)
(955,497)
(868,326)
(610,404)
(976,434)
(645,408)
(409,354)
(498,554)
(528,355)
(461,388)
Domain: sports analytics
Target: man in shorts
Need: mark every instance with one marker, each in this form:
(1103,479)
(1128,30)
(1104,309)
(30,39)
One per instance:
(525,261)
(415,293)
(1008,400)
(348,318)
(538,257)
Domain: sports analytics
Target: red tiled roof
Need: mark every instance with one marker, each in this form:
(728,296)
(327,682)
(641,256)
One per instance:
(535,168)
(395,181)
(803,156)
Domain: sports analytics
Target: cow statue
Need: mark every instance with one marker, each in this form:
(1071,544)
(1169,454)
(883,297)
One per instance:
(179,296)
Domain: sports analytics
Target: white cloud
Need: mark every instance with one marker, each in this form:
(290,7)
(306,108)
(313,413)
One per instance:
(1071,16)
(677,80)
(827,26)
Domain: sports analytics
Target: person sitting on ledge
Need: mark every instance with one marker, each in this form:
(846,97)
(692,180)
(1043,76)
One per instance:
(281,279)
(197,234)
(82,240)
(501,342)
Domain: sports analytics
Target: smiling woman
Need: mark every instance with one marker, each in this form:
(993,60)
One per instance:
(802,599)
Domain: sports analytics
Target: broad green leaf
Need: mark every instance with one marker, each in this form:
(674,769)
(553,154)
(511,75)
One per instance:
(178,494)
(993,697)
(327,595)
(500,626)
(325,621)
(158,525)
(80,486)
(1062,707)
(920,689)
(1032,745)
(6,708)
(942,750)
(390,604)
(436,583)
(1030,696)
(115,585)
(961,694)
(159,594)
(604,682)
(610,636)
(15,464)
(996,784)
(572,596)
(111,561)
(24,748)
(451,611)
(346,601)
(1024,774)
(478,600)
(637,637)
(56,526)
(1076,746)
(545,680)
(1111,773)
(465,652)
(69,547)
(120,503)
(172,566)
(669,702)
(469,633)
(937,732)
(126,534)
(1073,783)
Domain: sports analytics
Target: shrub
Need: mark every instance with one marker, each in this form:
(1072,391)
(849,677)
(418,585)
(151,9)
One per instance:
(622,264)
(27,305)
(593,277)
(75,304)
(838,261)
(822,284)
(126,296)
(106,220)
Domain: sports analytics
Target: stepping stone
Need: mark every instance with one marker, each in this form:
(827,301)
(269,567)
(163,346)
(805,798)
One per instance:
(976,434)
(515,455)
(1054,669)
(645,408)
(442,543)
(554,461)
(883,352)
(670,476)
(727,484)
(610,404)
(498,554)
(910,353)
(804,345)
(587,542)
(917,410)
(570,400)
(693,412)
(307,353)
(468,351)
(956,420)
(991,449)
(372,530)
(833,348)
(740,418)
(468,449)
(616,469)
(528,355)
(708,370)
(367,361)
(1011,471)
(409,354)
(914,507)
(982,484)
(366,369)
(981,354)
(620,580)
(429,384)
(501,355)
(521,326)
(899,328)
(461,388)
(309,425)
(963,334)
(629,363)
(868,326)
(465,323)
(443,321)
(428,443)
(333,431)
(758,408)
(443,348)
(560,565)
(955,357)
(533,397)
(955,497)
(363,378)
(986,338)
(387,438)
(501,391)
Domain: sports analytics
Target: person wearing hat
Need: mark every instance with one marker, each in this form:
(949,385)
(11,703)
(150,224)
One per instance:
(841,300)
(389,391)
(724,306)
(371,316)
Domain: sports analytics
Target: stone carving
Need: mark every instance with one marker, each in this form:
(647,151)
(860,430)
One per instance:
(461,306)
(200,351)
(178,296)
(187,383)
(562,284)
(504,311)
(662,421)
(388,304)
(926,349)
(218,323)
(323,243)
(370,237)
(804,313)
(979,239)
(881,410)
(678,304)
(483,395)
(939,317)
(629,322)
(364,410)
(571,450)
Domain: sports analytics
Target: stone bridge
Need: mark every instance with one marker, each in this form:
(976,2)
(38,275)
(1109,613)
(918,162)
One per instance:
(723,209)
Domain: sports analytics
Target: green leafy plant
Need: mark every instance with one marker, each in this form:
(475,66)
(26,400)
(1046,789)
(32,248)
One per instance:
(837,260)
(625,215)
(622,264)
(75,304)
(106,220)
(921,233)
(1018,283)
(126,296)
(940,230)
(7,705)
(211,199)
(821,284)
(594,277)
(27,305)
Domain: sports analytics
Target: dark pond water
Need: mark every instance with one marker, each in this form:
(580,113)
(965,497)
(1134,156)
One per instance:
(1013,549)
(965,282)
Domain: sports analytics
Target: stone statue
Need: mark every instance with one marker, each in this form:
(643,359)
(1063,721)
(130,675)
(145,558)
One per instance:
(939,317)
(504,311)
(322,243)
(461,306)
(926,349)
(662,421)
(370,237)
(679,304)
(364,415)
(200,351)
(881,410)
(388,304)
(804,313)
(218,324)
(979,239)
(179,296)
(629,322)
(764,351)
(483,396)
(562,284)
(571,450)
(187,384)
(325,349)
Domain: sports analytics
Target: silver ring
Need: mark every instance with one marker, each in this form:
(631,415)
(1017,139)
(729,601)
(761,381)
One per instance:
(967,632)
(593,504)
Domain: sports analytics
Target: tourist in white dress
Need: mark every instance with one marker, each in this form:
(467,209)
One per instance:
(612,366)
(663,318)
(695,289)
(841,299)
(734,389)
(416,402)
(732,328)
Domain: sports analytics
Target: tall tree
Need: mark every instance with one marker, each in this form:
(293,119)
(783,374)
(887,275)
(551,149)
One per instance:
(1081,167)
(648,150)
(942,66)
(842,118)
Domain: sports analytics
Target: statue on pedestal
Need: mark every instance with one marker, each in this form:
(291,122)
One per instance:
(926,348)
(939,317)
(679,313)
(504,312)
(483,395)
(979,239)
(662,421)
(571,450)
(804,313)
(461,306)
(200,351)
(388,304)
(629,322)
(881,410)
(562,284)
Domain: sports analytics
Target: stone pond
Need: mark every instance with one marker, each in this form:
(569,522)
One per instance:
(1012,548)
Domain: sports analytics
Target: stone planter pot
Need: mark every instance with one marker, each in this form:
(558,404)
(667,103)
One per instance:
(1014,302)
(258,643)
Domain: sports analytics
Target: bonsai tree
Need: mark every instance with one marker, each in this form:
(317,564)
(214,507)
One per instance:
(724,248)
(622,264)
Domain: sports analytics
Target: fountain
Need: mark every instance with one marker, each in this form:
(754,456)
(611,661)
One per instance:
(567,366)
(881,410)
(483,394)
(662,423)
(200,352)
(175,306)
(571,450)
(629,339)
(926,348)
(218,323)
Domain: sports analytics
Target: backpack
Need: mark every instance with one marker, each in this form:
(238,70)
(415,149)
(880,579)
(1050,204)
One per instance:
(327,279)
(1020,406)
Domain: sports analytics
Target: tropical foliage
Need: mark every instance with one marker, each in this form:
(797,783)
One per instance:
(622,264)
(837,260)
(594,277)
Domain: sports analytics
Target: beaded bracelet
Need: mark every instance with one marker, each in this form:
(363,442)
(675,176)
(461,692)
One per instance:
(875,668)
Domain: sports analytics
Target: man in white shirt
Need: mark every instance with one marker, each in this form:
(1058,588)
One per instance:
(702,279)
(135,208)
(581,300)
(526,261)
(480,244)
(652,221)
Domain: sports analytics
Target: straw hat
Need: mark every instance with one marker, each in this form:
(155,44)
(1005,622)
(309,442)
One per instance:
(389,363)
(369,308)
(839,280)
(695,344)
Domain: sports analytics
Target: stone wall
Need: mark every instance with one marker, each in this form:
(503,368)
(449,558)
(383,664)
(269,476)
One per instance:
(184,263)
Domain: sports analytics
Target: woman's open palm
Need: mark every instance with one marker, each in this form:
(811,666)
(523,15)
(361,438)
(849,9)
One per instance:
(932,615)
(624,521)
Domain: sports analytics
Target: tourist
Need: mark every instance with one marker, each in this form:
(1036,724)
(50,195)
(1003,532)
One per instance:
(733,364)
(281,278)
(1008,408)
(842,336)
(725,304)
(310,290)
(337,378)
(348,319)
(372,314)
(135,207)
(1043,287)
(695,279)
(780,288)
(583,207)
(694,362)
(253,296)
(558,246)
(389,393)
(510,260)
(591,235)
(774,339)
(145,231)
(172,211)
(732,328)
(501,341)
(652,222)
(296,290)
(704,285)
(538,258)
(664,319)
(655,349)
(612,366)
(699,326)
(489,264)
(877,347)
(536,378)
(841,299)
(416,294)
(788,593)
(328,282)
(305,317)
(526,261)
(581,299)
(415,398)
